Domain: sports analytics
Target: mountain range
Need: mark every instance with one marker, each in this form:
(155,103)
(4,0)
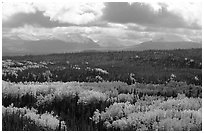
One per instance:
(164,45)
(73,43)
(78,43)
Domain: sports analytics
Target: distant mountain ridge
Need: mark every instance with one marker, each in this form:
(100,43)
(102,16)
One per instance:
(164,45)
(52,45)
(77,43)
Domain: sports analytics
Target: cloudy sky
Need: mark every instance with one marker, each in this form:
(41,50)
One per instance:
(105,23)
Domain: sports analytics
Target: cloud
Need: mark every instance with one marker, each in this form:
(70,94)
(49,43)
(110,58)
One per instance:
(51,14)
(106,23)
(38,19)
(9,9)
(189,10)
(75,13)
(157,14)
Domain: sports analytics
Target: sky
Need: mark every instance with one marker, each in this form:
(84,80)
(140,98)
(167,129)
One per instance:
(108,23)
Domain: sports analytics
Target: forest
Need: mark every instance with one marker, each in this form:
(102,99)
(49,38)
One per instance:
(154,90)
(152,66)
